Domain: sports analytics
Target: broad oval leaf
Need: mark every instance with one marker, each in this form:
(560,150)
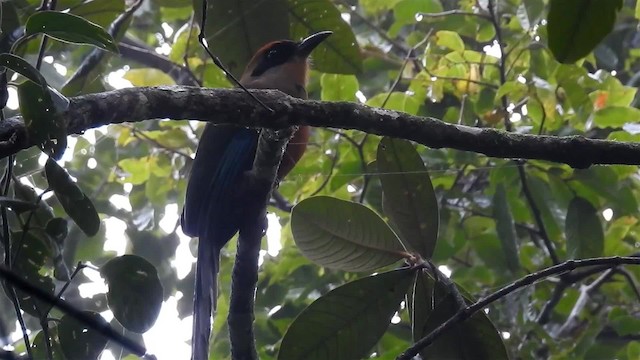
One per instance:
(235,30)
(69,28)
(343,235)
(409,199)
(348,321)
(583,229)
(22,67)
(506,228)
(79,341)
(576,26)
(135,292)
(340,53)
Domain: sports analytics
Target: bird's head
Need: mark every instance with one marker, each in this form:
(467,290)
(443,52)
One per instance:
(283,63)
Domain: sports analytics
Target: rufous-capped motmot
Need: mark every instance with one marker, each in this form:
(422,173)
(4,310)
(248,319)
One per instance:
(213,208)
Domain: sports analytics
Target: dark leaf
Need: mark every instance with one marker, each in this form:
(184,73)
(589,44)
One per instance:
(254,24)
(79,341)
(23,68)
(340,53)
(57,228)
(343,235)
(583,229)
(433,307)
(61,182)
(16,205)
(506,228)
(577,26)
(135,293)
(409,199)
(349,320)
(69,28)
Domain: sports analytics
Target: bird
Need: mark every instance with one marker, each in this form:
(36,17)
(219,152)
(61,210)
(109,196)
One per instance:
(213,207)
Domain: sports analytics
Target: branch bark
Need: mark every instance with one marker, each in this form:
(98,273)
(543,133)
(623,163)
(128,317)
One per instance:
(233,106)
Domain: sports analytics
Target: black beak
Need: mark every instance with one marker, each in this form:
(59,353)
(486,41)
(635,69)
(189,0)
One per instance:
(306,46)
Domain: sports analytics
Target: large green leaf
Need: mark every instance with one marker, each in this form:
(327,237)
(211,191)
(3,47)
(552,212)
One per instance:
(135,292)
(343,235)
(235,30)
(22,67)
(409,199)
(340,53)
(583,229)
(75,203)
(506,228)
(577,26)
(347,322)
(69,28)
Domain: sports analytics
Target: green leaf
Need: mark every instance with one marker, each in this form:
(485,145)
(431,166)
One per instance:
(348,321)
(409,199)
(514,89)
(138,170)
(337,87)
(135,293)
(399,101)
(405,11)
(449,39)
(61,182)
(69,28)
(148,77)
(583,229)
(575,27)
(82,212)
(79,341)
(615,116)
(340,53)
(626,325)
(42,119)
(343,235)
(254,24)
(506,228)
(23,68)
(75,203)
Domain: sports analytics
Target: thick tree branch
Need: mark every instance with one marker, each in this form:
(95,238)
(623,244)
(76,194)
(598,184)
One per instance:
(232,106)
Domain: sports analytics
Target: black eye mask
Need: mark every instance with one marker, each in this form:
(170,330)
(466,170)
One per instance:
(278,54)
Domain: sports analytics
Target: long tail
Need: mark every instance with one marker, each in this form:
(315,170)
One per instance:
(206,295)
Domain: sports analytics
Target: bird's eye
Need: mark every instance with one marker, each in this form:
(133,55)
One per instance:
(271,54)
